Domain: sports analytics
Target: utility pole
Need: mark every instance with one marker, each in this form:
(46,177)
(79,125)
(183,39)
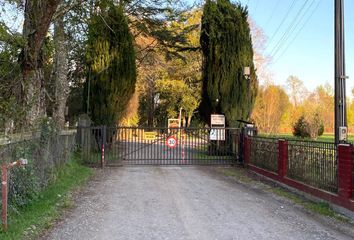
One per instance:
(339,74)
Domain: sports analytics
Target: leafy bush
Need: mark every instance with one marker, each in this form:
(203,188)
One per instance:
(321,130)
(308,127)
(300,129)
(24,186)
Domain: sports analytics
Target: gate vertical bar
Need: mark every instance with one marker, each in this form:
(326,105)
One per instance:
(134,143)
(140,143)
(104,137)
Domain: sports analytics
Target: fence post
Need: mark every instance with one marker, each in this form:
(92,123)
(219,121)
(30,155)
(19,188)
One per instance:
(78,136)
(345,166)
(4,196)
(246,150)
(104,138)
(282,157)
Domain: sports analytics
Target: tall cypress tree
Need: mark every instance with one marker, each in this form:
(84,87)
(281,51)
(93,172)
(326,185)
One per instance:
(227,48)
(111,65)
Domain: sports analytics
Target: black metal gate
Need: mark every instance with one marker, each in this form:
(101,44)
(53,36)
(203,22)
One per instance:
(159,146)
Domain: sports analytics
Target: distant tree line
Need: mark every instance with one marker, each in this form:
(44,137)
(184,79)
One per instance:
(293,108)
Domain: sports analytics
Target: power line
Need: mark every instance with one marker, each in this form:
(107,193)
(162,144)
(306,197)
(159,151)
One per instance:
(282,22)
(255,8)
(298,32)
(273,12)
(290,29)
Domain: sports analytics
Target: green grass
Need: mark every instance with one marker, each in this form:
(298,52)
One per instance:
(30,221)
(204,156)
(327,137)
(201,153)
(321,208)
(93,158)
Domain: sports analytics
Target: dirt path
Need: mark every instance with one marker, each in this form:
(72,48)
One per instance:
(182,203)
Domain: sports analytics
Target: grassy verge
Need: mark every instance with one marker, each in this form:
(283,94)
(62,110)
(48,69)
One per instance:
(30,221)
(322,208)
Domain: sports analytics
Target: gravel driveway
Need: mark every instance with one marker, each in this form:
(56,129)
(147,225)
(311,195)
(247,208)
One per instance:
(182,203)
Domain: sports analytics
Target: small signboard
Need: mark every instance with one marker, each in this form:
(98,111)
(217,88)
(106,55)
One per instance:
(171,142)
(217,119)
(173,123)
(217,134)
(149,135)
(217,123)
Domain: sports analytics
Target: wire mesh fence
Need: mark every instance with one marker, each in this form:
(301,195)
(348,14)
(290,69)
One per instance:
(313,163)
(264,153)
(45,152)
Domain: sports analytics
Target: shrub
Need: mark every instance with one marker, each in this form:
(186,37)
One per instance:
(321,130)
(301,128)
(24,186)
(308,127)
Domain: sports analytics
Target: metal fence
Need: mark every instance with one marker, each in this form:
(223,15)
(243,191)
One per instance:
(44,151)
(149,146)
(352,171)
(310,162)
(313,163)
(264,153)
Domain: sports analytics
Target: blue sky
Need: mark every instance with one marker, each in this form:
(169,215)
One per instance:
(309,51)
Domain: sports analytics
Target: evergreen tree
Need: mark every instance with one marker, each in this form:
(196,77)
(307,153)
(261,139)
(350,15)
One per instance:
(111,65)
(227,48)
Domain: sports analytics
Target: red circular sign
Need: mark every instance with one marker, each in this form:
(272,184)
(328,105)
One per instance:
(171,142)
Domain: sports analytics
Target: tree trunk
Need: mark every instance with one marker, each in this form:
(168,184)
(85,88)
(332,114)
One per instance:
(38,16)
(189,120)
(34,94)
(60,72)
(151,109)
(151,100)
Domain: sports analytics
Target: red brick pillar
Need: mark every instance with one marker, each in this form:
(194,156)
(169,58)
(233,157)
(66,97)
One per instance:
(246,150)
(345,167)
(282,157)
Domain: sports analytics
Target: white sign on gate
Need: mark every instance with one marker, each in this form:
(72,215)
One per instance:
(217,123)
(217,134)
